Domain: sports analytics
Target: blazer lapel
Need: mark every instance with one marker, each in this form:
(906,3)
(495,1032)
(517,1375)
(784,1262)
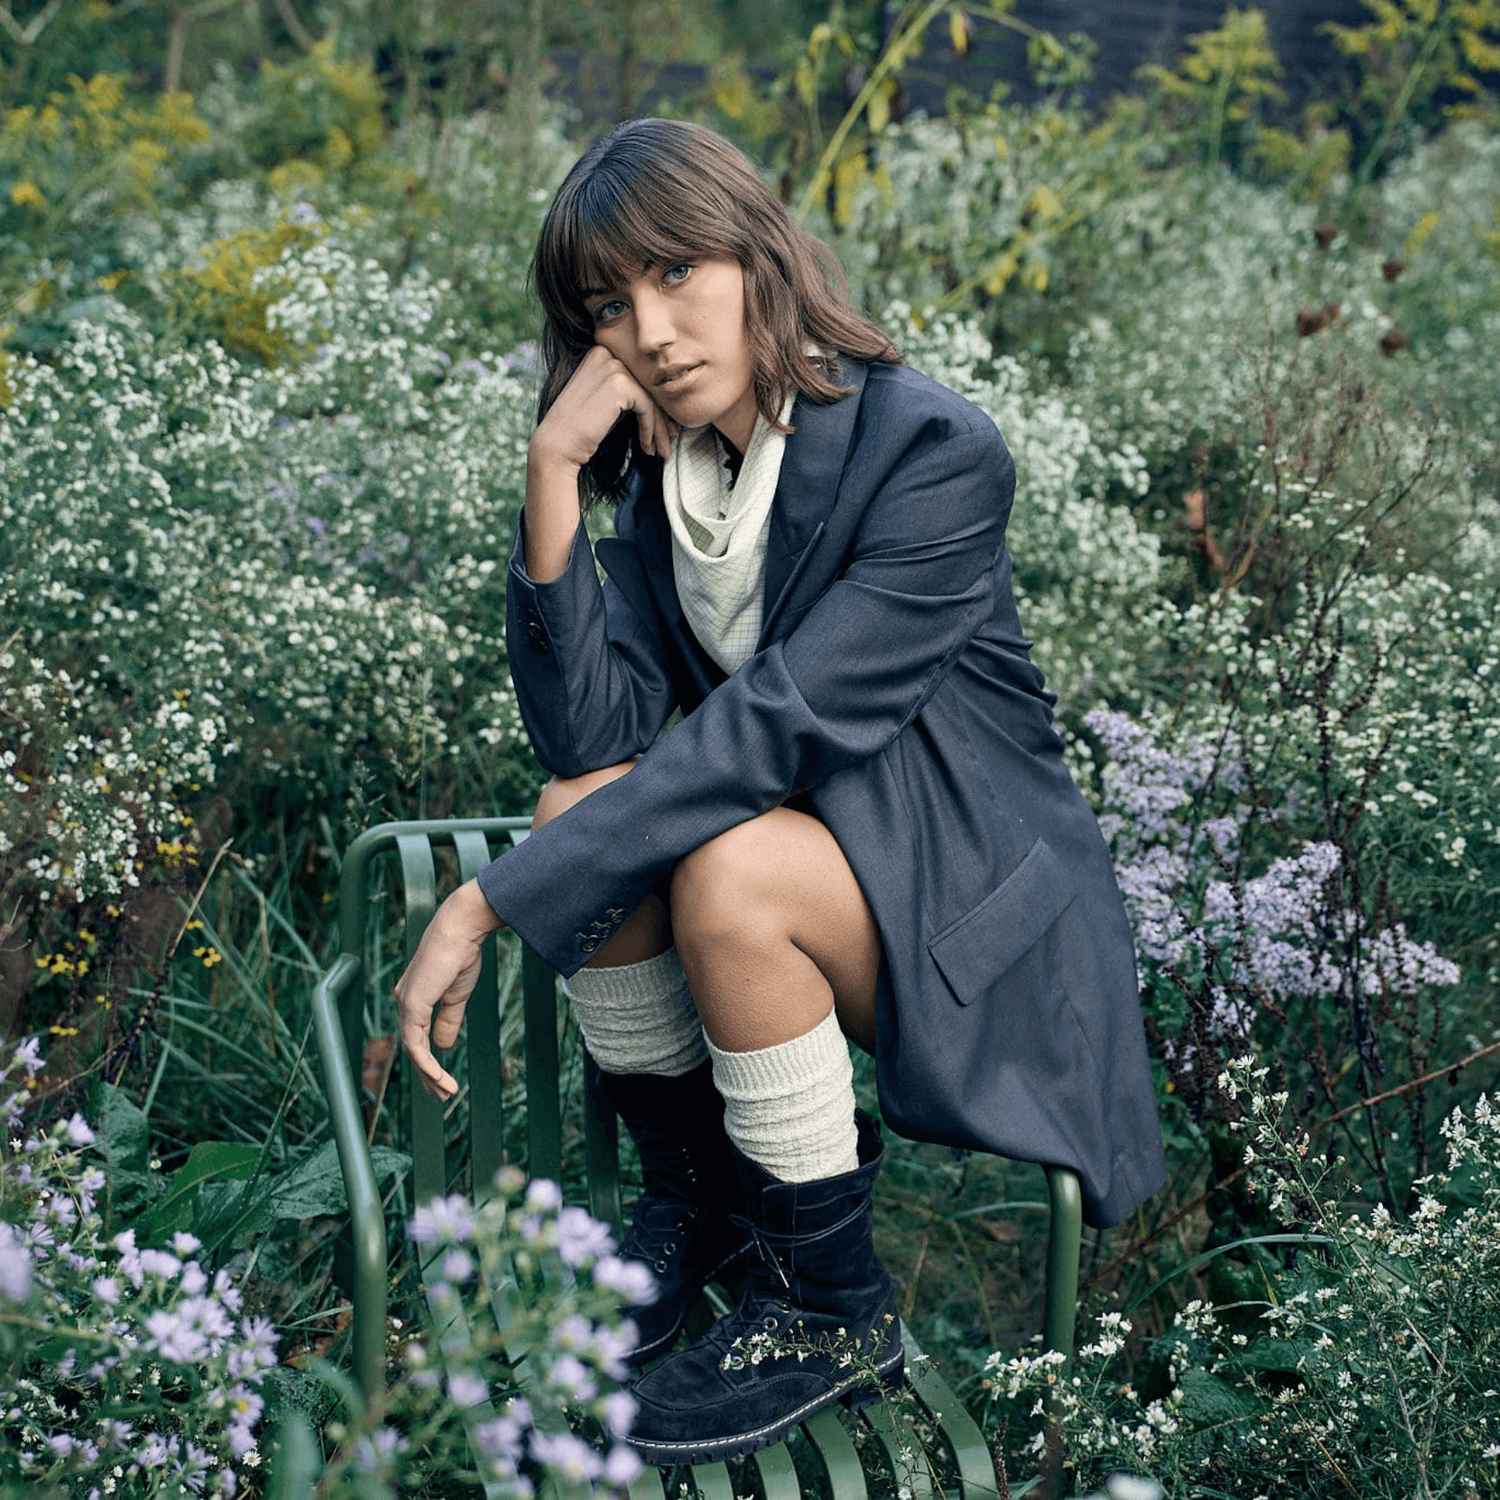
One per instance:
(812,465)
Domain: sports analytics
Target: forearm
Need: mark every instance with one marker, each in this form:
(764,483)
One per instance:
(552,514)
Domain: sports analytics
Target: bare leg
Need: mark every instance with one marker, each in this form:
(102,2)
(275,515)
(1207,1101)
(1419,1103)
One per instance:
(773,930)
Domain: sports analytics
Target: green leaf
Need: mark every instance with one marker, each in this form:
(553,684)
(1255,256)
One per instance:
(297,1462)
(316,1185)
(1206,1398)
(207,1162)
(228,1215)
(1271,1354)
(308,1190)
(122,1132)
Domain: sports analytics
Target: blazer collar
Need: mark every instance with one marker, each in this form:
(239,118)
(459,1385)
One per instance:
(812,465)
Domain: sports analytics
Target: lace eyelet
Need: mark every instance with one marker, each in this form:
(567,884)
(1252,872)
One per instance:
(660,1265)
(769,1321)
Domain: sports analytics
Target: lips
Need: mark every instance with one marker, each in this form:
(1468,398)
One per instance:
(680,380)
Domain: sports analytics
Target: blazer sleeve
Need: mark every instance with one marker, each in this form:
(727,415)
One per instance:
(590,674)
(839,687)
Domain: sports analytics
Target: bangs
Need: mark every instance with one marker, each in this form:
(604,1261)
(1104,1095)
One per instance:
(609,233)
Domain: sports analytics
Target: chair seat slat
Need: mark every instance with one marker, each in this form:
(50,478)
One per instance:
(713,1481)
(777,1472)
(976,1469)
(832,1443)
(454,1338)
(894,1433)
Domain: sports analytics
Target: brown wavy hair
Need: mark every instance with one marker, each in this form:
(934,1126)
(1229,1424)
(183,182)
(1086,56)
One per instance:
(652,191)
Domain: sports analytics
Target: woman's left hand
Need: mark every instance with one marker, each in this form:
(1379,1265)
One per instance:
(442,975)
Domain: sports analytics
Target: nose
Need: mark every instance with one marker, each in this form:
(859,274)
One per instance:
(653,323)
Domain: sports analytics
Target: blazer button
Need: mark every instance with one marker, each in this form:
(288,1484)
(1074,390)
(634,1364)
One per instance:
(537,634)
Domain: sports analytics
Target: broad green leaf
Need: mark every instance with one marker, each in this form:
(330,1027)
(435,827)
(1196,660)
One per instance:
(207,1162)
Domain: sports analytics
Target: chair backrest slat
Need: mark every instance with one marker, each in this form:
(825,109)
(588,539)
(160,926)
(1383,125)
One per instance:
(543,1081)
(601,1134)
(482,1022)
(543,1091)
(429,1171)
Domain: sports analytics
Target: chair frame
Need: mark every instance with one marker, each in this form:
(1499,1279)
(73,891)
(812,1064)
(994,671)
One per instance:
(361,1258)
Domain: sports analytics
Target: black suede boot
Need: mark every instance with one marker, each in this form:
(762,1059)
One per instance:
(681,1224)
(816,1281)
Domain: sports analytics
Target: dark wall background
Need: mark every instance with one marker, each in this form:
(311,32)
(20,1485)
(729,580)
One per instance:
(1128,33)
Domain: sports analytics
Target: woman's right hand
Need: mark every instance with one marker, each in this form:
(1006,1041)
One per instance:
(589,405)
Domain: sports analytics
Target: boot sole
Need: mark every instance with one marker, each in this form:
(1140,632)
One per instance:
(852,1394)
(642,1352)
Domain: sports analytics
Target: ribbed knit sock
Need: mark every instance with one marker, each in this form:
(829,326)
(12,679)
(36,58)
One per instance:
(638,1018)
(791,1107)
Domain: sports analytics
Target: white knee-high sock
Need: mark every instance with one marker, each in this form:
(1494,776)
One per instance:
(791,1107)
(638,1018)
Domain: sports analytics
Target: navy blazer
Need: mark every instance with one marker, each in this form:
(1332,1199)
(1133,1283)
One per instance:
(893,693)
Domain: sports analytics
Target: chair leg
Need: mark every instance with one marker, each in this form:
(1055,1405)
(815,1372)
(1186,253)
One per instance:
(1064,1252)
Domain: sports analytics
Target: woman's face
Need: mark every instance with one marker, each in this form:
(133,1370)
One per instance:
(688,312)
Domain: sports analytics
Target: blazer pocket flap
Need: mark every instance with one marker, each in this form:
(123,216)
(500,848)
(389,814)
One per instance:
(975,949)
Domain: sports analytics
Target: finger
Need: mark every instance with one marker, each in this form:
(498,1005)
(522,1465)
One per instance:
(450,1022)
(435,1079)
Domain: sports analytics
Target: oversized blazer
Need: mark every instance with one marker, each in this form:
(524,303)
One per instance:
(892,693)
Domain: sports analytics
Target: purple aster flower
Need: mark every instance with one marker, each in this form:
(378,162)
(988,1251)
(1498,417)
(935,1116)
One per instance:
(581,1237)
(15,1266)
(458,1265)
(449,1219)
(466,1389)
(159,1263)
(28,1055)
(631,1278)
(622,1466)
(569,1455)
(619,1410)
(569,1374)
(500,1438)
(543,1195)
(376,1451)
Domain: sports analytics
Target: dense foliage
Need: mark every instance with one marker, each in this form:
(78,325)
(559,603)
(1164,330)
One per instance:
(267,375)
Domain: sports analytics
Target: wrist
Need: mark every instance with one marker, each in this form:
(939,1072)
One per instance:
(549,461)
(475,910)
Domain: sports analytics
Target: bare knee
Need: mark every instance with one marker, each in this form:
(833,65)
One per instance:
(562,792)
(723,886)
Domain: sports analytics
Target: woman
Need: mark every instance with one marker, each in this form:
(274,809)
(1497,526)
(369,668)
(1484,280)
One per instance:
(862,828)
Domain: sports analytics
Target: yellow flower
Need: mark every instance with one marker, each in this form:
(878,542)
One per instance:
(63,1030)
(109,283)
(26,194)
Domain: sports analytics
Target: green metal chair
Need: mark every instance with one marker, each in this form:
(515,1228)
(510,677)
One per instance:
(362,1259)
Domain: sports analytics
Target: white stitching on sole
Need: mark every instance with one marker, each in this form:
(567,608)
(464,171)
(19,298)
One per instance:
(787,1419)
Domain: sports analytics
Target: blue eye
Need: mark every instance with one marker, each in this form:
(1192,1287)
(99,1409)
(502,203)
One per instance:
(676,265)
